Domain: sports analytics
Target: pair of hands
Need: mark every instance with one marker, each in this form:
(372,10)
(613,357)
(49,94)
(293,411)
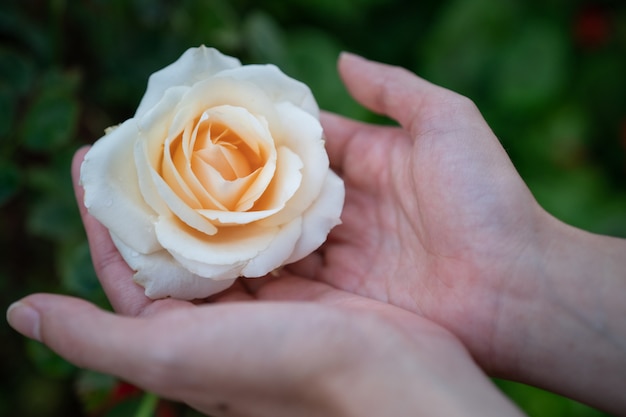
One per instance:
(395,315)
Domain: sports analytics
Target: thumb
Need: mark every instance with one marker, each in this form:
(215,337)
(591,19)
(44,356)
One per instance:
(85,335)
(387,89)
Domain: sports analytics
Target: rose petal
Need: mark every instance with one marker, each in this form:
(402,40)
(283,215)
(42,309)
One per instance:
(171,202)
(238,195)
(112,193)
(148,152)
(228,193)
(286,183)
(320,218)
(194,65)
(162,276)
(277,85)
(231,246)
(218,91)
(303,136)
(277,253)
(183,163)
(171,173)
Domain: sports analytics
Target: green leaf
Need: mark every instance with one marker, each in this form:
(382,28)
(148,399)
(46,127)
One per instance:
(540,403)
(214,23)
(52,211)
(17,72)
(532,69)
(50,122)
(148,405)
(48,362)
(78,275)
(125,408)
(465,41)
(94,389)
(52,218)
(313,60)
(264,39)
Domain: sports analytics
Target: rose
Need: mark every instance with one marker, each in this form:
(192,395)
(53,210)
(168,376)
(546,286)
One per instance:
(221,173)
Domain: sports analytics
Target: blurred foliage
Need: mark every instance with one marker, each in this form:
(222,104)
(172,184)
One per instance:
(548,76)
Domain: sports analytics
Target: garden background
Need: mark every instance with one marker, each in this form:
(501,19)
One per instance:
(549,76)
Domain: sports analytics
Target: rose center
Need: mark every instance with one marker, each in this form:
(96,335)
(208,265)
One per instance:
(220,147)
(223,159)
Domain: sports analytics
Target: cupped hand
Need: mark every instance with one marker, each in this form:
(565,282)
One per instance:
(436,220)
(278,346)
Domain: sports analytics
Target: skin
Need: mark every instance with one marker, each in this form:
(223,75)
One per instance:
(437,221)
(444,267)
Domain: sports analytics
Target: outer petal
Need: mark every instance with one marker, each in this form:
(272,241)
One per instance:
(148,149)
(277,85)
(223,90)
(320,218)
(277,253)
(302,134)
(162,276)
(194,65)
(112,192)
(230,246)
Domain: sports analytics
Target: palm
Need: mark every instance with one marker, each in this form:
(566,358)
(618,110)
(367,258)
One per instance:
(433,214)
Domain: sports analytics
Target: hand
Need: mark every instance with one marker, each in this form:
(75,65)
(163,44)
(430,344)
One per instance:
(437,220)
(285,346)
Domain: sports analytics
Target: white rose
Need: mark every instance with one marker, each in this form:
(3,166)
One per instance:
(221,173)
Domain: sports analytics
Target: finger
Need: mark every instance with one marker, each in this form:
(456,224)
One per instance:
(198,355)
(115,275)
(390,90)
(341,133)
(85,335)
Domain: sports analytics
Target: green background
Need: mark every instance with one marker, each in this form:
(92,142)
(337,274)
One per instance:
(549,77)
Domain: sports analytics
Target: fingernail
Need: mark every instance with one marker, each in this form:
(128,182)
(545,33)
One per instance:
(25,319)
(346,54)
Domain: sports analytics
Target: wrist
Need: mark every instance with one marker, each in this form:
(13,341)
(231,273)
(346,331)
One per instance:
(561,326)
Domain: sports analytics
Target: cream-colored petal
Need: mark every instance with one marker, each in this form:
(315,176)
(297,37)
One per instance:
(285,184)
(303,136)
(215,165)
(277,85)
(194,65)
(185,285)
(154,129)
(162,276)
(228,193)
(279,250)
(218,91)
(232,218)
(142,157)
(183,162)
(171,174)
(161,196)
(252,129)
(112,191)
(231,245)
(212,272)
(180,209)
(158,121)
(321,217)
